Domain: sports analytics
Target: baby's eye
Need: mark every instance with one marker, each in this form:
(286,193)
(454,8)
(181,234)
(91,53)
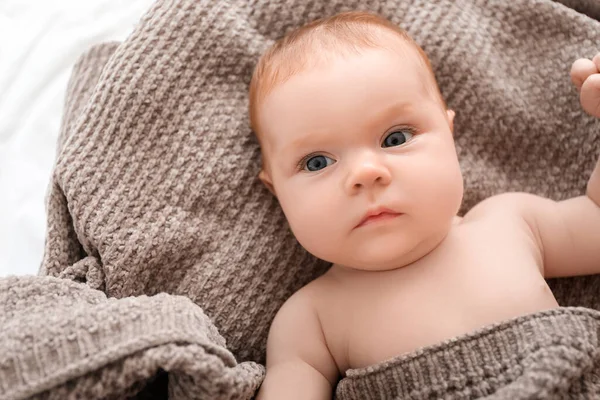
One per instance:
(317,163)
(397,138)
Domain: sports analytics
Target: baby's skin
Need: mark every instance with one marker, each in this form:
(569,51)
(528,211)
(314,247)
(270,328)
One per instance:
(417,274)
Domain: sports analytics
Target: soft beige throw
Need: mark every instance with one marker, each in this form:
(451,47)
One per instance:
(166,259)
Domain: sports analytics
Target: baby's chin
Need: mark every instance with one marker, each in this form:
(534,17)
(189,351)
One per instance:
(380,256)
(378,262)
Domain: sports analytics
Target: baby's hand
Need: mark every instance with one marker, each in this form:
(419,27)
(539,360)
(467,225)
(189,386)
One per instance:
(585,74)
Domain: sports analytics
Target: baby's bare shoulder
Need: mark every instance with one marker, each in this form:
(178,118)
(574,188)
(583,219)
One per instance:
(509,204)
(304,301)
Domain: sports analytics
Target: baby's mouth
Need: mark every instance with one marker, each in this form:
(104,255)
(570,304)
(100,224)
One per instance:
(378,218)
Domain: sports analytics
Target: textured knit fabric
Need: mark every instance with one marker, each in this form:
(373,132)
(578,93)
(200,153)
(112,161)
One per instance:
(589,7)
(155,193)
(549,355)
(61,339)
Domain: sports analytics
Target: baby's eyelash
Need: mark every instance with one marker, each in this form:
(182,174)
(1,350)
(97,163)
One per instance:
(409,129)
(300,164)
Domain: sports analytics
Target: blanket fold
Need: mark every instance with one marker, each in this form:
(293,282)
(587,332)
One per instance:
(552,354)
(166,259)
(69,341)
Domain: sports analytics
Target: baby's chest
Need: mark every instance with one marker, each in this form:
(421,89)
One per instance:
(480,277)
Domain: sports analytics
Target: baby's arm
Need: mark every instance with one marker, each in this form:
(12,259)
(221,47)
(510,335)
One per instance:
(299,364)
(567,232)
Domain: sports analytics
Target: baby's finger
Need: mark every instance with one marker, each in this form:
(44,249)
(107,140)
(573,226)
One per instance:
(596,61)
(590,95)
(581,69)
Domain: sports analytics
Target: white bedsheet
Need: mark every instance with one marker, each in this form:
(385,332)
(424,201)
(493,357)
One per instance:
(40,41)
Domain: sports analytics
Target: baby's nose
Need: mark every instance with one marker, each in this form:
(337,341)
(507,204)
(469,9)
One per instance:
(367,174)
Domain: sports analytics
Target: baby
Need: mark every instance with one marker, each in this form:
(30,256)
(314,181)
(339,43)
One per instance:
(357,146)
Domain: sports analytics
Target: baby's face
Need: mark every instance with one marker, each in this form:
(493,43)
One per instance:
(355,134)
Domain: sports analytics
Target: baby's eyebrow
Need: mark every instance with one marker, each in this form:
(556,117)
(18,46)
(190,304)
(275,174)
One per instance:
(306,140)
(376,119)
(392,110)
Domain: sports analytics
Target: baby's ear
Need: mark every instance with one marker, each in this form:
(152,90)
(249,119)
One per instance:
(450,114)
(266,180)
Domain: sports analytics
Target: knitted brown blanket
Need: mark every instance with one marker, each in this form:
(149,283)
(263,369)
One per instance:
(166,259)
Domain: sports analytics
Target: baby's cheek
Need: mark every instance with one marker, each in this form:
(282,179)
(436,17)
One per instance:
(315,222)
(443,193)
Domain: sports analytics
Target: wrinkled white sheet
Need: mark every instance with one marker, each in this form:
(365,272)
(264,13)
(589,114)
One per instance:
(40,41)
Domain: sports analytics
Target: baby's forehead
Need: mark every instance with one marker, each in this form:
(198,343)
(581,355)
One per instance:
(320,56)
(325,65)
(417,78)
(350,92)
(313,56)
